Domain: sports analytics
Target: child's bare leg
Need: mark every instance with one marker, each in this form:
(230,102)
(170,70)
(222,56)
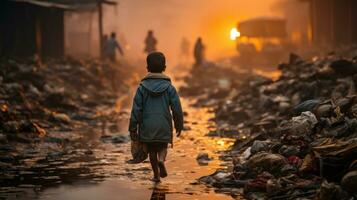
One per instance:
(154,165)
(161,163)
(162,155)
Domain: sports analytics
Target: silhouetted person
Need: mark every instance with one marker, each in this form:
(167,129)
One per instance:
(110,46)
(199,52)
(150,42)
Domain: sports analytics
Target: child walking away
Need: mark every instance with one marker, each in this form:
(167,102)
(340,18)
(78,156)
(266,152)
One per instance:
(151,119)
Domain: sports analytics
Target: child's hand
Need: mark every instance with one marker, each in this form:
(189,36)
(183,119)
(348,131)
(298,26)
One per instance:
(178,133)
(134,135)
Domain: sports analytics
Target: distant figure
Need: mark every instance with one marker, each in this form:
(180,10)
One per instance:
(150,42)
(185,48)
(199,52)
(156,104)
(110,47)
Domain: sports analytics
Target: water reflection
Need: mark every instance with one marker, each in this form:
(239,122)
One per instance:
(159,192)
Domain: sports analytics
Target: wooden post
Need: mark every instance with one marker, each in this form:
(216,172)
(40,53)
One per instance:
(100,27)
(350,24)
(90,26)
(38,24)
(332,23)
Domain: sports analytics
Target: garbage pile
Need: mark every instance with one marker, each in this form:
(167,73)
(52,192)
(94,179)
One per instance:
(211,83)
(59,95)
(296,136)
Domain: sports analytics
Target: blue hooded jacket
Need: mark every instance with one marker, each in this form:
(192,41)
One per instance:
(150,115)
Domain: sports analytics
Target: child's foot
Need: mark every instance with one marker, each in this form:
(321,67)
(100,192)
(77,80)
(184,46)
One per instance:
(163,172)
(155,180)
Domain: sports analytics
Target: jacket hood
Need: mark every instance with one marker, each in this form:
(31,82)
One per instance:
(156,83)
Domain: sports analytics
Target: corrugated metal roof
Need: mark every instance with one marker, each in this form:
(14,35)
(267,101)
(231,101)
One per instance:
(48,4)
(68,4)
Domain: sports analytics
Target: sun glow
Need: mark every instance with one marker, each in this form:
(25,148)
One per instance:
(234,34)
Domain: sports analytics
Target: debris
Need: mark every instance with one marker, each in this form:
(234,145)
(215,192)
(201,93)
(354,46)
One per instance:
(203,158)
(349,182)
(259,146)
(302,127)
(46,113)
(304,123)
(259,184)
(266,162)
(331,191)
(116,139)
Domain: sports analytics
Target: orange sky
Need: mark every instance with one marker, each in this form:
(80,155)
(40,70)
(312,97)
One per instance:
(171,20)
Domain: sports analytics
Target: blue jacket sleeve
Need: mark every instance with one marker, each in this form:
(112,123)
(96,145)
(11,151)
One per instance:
(136,111)
(176,109)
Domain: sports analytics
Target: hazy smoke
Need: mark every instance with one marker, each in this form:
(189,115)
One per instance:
(172,20)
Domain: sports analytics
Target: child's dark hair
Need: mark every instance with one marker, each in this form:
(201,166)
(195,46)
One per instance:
(156,62)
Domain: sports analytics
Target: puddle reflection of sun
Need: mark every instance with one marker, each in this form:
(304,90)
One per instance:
(221,142)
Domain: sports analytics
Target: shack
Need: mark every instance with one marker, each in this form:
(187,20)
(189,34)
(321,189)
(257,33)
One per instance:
(333,22)
(37,27)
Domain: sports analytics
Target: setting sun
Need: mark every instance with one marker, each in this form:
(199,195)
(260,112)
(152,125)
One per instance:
(234,34)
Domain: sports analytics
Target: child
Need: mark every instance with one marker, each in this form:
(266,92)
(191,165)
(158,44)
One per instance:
(151,119)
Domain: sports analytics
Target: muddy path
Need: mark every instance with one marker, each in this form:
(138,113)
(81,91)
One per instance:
(96,167)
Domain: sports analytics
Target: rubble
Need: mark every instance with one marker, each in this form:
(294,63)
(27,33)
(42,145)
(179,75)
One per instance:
(296,135)
(44,110)
(349,182)
(116,139)
(203,158)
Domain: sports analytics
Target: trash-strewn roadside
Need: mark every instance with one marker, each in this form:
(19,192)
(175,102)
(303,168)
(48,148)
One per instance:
(47,114)
(296,136)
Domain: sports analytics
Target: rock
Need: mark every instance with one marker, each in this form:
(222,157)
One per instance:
(259,146)
(203,158)
(116,139)
(349,182)
(289,150)
(308,105)
(324,110)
